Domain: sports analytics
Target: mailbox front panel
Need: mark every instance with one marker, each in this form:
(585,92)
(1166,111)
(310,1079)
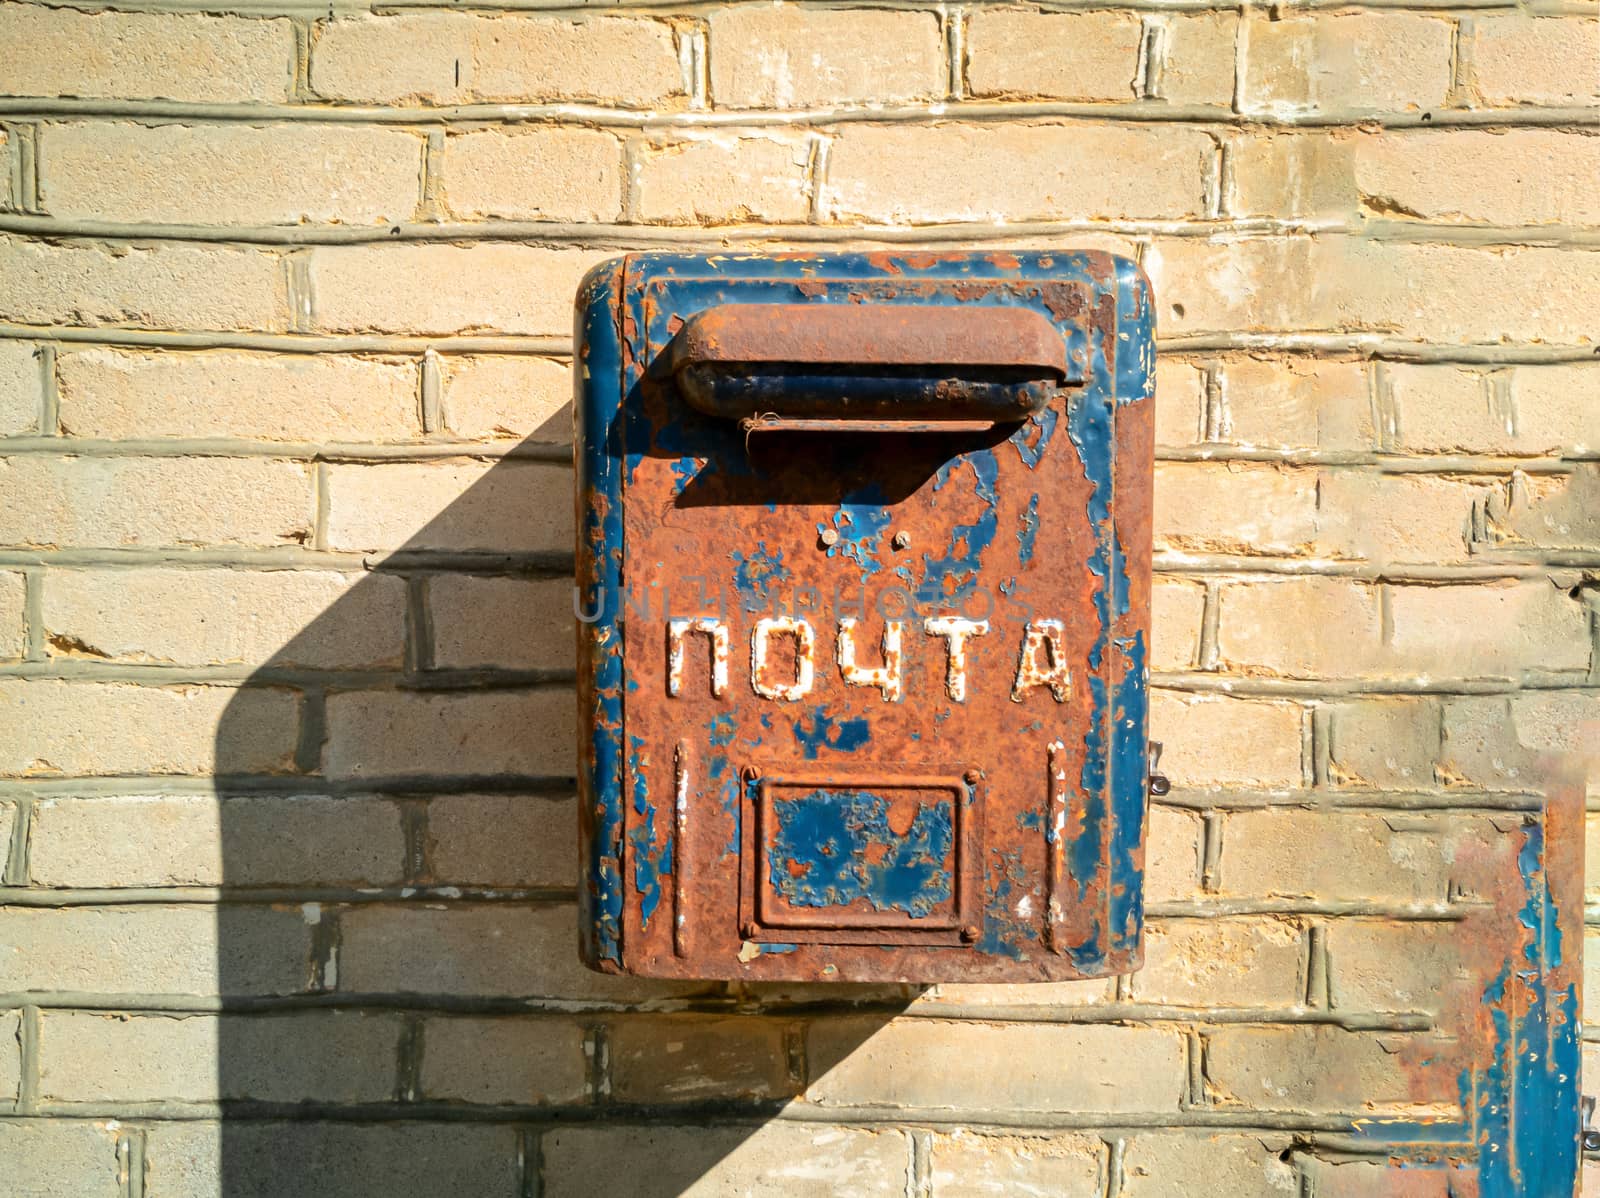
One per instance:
(863,559)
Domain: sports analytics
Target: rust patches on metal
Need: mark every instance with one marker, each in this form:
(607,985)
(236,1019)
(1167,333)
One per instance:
(923,556)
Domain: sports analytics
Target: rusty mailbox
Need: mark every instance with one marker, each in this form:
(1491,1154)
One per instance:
(863,571)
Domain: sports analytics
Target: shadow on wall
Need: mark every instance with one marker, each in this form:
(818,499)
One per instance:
(398,947)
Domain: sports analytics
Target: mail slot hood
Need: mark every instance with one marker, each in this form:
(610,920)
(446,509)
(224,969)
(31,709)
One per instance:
(863,568)
(878,362)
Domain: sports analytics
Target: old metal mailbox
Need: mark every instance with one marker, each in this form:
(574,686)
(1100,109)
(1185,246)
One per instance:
(863,573)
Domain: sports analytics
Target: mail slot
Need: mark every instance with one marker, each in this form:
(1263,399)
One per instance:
(863,615)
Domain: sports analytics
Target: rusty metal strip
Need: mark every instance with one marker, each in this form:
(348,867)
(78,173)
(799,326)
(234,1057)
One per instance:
(1055,839)
(680,856)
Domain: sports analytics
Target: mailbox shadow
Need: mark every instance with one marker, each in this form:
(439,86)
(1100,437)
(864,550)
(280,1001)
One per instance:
(406,1021)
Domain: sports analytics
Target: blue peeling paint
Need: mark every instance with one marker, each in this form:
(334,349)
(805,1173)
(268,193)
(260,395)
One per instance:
(754,576)
(1034,437)
(861,520)
(684,470)
(835,847)
(817,730)
(650,859)
(721,778)
(1522,1100)
(1029,532)
(951,576)
(598,459)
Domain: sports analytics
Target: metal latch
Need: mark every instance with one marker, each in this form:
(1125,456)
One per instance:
(1591,1135)
(1158,781)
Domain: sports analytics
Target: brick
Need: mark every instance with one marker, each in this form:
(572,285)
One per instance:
(1407,966)
(1162,1163)
(1296,403)
(353,1160)
(1366,62)
(1458,293)
(1591,872)
(61,1158)
(1222,963)
(1318,1068)
(1180,402)
(1234,508)
(965,1165)
(13,619)
(126,55)
(1053,56)
(10,1056)
(1533,741)
(200,840)
(1534,60)
(1198,66)
(1435,291)
(1444,409)
(724,179)
(1299,626)
(454,58)
(230,173)
(446,288)
(1387,743)
(324,1056)
(159,285)
(1513,177)
(1212,741)
(21,388)
(775,56)
(1017,172)
(1035,994)
(1398,517)
(1293,174)
(92,728)
(1489,628)
(116,394)
(501,840)
(994,1067)
(1556,409)
(318,618)
(150,949)
(8,825)
(1374,1179)
(1176,609)
(1171,855)
(514,507)
(379,734)
(491,397)
(121,502)
(1545,511)
(676,1059)
(508,622)
(1591,968)
(479,949)
(1354,856)
(774,1160)
(505,1060)
(542,173)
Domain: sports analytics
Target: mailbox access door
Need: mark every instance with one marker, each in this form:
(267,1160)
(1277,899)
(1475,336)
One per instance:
(863,558)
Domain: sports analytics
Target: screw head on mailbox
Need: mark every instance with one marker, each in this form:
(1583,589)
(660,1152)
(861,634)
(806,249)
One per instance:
(864,578)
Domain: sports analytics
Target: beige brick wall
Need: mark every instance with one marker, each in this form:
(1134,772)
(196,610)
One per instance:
(286,756)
